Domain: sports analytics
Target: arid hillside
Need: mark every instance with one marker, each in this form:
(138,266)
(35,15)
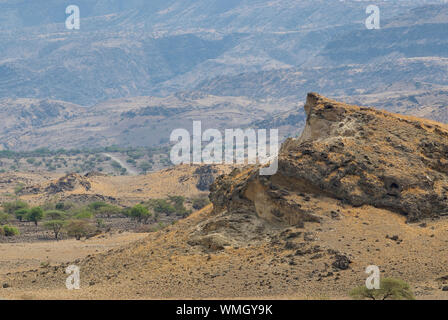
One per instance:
(360,187)
(185,180)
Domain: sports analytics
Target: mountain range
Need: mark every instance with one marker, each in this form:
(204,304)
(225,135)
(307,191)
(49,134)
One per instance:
(136,70)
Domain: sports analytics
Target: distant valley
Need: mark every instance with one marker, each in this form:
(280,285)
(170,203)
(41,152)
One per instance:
(134,73)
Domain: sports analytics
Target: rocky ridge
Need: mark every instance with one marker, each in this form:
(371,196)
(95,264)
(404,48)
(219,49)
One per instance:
(358,155)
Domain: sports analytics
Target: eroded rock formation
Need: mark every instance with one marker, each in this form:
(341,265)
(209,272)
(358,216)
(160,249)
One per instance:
(358,155)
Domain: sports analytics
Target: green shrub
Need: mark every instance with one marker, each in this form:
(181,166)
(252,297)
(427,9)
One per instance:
(64,206)
(10,231)
(97,205)
(21,214)
(84,214)
(4,218)
(178,203)
(35,215)
(131,161)
(162,206)
(59,206)
(115,165)
(140,213)
(393,289)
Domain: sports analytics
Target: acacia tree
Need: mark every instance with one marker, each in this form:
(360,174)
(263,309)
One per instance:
(78,228)
(35,215)
(21,214)
(56,226)
(140,213)
(393,289)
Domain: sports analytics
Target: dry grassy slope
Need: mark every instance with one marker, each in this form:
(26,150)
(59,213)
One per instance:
(297,234)
(123,190)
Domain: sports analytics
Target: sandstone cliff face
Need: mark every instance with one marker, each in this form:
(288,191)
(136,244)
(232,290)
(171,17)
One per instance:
(358,155)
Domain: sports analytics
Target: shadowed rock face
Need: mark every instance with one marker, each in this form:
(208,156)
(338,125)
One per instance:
(359,155)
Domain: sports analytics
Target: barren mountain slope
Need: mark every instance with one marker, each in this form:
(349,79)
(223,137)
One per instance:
(342,199)
(137,121)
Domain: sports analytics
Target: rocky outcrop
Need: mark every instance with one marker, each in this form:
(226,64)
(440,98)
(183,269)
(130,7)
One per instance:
(358,155)
(68,182)
(206,175)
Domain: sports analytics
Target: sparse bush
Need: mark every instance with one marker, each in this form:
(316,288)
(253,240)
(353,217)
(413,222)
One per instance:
(18,188)
(109,210)
(64,206)
(59,206)
(79,228)
(178,203)
(145,166)
(55,226)
(140,213)
(4,218)
(199,203)
(116,165)
(11,207)
(162,206)
(131,161)
(97,205)
(10,231)
(393,289)
(55,215)
(135,154)
(84,214)
(160,226)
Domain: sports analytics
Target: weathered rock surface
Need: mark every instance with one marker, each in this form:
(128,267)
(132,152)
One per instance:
(358,155)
